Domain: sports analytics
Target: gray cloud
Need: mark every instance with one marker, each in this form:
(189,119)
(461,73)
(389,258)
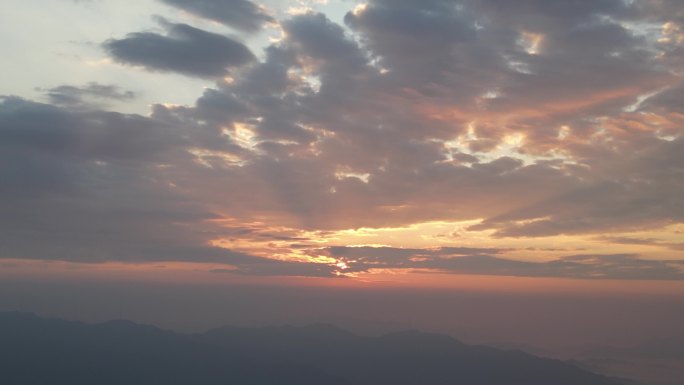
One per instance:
(272,267)
(91,95)
(241,14)
(643,242)
(92,187)
(644,192)
(184,49)
(540,15)
(42,129)
(481,262)
(83,186)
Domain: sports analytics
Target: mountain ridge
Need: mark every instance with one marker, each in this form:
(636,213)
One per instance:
(37,351)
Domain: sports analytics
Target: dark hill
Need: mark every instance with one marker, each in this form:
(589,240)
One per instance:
(36,351)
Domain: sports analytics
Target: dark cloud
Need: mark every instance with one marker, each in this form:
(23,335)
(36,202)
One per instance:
(384,257)
(92,94)
(544,15)
(272,267)
(82,186)
(92,187)
(241,14)
(658,11)
(481,262)
(642,192)
(643,242)
(666,101)
(42,129)
(423,26)
(184,49)
(316,37)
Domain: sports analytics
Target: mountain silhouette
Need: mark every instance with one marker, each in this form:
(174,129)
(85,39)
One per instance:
(36,351)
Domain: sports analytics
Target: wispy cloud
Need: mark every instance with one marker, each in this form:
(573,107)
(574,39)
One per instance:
(241,14)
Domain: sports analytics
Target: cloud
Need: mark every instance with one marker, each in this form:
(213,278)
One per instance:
(417,111)
(643,193)
(82,186)
(643,242)
(91,187)
(272,267)
(241,14)
(91,95)
(481,262)
(410,118)
(184,49)
(40,129)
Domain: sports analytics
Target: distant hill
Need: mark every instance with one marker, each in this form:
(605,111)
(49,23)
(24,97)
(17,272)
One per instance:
(35,351)
(656,362)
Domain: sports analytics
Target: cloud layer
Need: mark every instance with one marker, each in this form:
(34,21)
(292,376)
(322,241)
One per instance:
(542,119)
(486,262)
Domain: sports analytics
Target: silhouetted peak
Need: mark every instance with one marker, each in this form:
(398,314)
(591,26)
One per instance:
(7,315)
(415,336)
(319,330)
(124,326)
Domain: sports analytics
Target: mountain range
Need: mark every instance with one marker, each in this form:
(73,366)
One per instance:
(40,351)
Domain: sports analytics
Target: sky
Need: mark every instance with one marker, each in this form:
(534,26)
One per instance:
(478,150)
